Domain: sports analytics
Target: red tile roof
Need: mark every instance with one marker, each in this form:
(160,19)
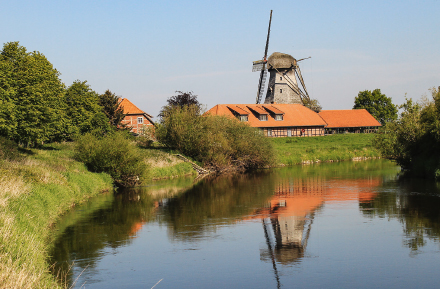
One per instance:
(294,114)
(130,108)
(348,118)
(238,110)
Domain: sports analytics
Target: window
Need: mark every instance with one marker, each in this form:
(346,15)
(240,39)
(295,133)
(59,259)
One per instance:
(263,117)
(243,118)
(281,90)
(140,120)
(281,78)
(269,132)
(278,117)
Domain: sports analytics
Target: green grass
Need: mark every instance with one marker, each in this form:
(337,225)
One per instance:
(34,192)
(164,164)
(297,150)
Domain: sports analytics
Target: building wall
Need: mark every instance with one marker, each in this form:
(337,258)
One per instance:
(279,90)
(132,121)
(293,131)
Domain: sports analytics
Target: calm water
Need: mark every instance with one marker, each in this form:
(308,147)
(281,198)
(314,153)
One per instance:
(340,225)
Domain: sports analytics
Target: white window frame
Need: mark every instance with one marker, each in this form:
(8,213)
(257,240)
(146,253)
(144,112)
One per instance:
(278,117)
(263,117)
(243,118)
(140,120)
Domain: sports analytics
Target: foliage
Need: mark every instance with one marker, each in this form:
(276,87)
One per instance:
(377,104)
(83,110)
(413,140)
(9,150)
(313,104)
(146,136)
(181,99)
(114,112)
(217,142)
(30,97)
(114,154)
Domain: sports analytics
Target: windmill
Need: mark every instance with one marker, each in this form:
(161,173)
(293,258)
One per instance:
(260,65)
(283,79)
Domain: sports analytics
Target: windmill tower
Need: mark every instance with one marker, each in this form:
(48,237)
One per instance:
(284,75)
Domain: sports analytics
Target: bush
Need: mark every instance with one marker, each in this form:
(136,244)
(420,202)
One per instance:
(9,150)
(114,154)
(218,142)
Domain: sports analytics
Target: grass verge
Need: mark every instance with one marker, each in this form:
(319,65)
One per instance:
(296,150)
(35,190)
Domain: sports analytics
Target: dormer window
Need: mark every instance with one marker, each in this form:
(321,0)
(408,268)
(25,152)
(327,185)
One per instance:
(278,117)
(263,117)
(243,118)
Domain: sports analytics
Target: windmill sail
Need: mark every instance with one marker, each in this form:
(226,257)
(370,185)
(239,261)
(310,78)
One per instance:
(263,73)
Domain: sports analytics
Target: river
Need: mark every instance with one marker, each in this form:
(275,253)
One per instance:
(334,225)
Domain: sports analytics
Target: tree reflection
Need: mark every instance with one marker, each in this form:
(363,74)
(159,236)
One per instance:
(415,205)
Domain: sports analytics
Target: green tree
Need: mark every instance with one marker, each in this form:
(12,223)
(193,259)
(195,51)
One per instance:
(114,112)
(219,142)
(83,110)
(313,104)
(30,96)
(379,105)
(180,100)
(413,140)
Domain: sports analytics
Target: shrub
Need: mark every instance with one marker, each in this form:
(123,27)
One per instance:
(114,154)
(218,142)
(9,150)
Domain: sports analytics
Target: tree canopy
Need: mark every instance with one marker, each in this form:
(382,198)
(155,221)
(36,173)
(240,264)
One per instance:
(377,104)
(114,112)
(180,100)
(413,140)
(83,110)
(30,96)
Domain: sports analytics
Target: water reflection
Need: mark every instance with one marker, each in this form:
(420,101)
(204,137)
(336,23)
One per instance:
(285,201)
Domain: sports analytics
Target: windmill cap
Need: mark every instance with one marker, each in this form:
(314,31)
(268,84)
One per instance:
(281,60)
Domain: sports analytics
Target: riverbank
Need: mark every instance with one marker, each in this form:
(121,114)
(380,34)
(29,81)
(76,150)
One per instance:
(330,148)
(36,187)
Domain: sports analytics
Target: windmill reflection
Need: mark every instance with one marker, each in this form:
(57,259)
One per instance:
(288,217)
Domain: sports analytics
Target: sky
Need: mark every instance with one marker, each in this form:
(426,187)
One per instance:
(147,50)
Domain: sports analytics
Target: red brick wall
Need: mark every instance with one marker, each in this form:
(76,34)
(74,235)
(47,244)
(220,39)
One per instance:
(132,121)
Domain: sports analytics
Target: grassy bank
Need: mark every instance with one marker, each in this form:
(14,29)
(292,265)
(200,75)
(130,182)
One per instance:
(164,164)
(36,188)
(291,151)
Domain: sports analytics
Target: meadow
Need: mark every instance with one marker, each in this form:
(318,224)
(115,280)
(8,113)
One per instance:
(338,147)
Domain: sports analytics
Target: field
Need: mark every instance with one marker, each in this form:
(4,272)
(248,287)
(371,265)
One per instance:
(339,147)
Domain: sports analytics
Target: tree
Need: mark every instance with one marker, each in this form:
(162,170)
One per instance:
(376,103)
(83,110)
(114,112)
(180,100)
(313,104)
(30,96)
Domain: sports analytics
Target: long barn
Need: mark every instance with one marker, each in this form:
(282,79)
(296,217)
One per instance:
(289,120)
(275,120)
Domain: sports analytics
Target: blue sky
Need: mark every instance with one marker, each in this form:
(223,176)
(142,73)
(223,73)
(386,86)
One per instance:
(146,50)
